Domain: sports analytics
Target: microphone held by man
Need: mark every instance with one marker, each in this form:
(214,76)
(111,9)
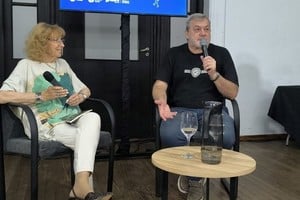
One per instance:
(204,45)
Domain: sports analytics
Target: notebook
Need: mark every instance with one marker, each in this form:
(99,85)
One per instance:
(73,118)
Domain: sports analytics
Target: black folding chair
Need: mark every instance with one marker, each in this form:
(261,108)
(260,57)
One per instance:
(16,142)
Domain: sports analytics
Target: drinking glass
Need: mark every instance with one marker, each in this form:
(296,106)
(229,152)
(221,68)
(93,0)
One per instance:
(188,126)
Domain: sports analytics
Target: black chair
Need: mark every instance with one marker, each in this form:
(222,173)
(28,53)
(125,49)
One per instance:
(16,142)
(231,185)
(2,177)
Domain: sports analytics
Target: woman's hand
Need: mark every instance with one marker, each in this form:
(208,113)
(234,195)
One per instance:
(54,92)
(75,99)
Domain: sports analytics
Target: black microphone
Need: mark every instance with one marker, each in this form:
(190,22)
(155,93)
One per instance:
(203,44)
(50,78)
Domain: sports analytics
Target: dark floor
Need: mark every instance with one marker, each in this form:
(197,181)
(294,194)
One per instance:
(277,177)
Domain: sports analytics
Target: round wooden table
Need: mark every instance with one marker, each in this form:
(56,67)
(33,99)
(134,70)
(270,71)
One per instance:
(233,164)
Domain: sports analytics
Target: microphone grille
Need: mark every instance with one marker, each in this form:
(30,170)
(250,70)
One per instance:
(48,76)
(203,42)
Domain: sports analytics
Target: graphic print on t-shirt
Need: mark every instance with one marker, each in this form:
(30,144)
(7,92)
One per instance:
(52,111)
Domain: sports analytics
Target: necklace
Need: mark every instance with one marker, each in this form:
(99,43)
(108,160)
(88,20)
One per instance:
(52,66)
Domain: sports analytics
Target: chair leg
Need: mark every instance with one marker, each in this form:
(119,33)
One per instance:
(2,173)
(72,174)
(158,182)
(110,170)
(231,188)
(34,178)
(164,185)
(207,189)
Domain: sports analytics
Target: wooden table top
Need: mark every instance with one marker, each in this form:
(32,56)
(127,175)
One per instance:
(232,164)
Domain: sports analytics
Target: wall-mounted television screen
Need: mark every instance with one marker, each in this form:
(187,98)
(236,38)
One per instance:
(134,7)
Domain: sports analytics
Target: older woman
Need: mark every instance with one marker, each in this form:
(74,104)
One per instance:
(52,102)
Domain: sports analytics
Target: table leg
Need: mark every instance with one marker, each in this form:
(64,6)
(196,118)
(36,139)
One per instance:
(233,188)
(164,185)
(207,189)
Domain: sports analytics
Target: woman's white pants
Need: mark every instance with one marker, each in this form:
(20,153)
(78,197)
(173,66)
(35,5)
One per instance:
(83,137)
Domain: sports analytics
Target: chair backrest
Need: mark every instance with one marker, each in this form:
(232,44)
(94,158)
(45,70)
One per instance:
(236,121)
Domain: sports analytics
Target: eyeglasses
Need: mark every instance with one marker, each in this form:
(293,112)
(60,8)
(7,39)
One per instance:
(59,40)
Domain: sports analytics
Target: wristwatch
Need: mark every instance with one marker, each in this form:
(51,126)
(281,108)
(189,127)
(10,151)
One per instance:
(38,96)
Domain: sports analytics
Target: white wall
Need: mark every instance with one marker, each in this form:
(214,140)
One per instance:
(263,38)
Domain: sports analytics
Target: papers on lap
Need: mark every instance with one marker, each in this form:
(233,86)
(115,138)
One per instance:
(73,118)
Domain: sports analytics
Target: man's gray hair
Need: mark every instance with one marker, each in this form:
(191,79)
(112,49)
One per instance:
(195,16)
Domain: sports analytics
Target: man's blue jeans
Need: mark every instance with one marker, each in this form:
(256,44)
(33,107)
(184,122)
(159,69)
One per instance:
(171,135)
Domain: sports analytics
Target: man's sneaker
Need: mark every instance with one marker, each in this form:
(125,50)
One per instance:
(183,184)
(196,189)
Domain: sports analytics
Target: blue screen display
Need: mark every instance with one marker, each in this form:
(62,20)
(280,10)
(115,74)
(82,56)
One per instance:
(135,7)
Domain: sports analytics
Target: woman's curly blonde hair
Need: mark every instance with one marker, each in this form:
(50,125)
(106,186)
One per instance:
(36,45)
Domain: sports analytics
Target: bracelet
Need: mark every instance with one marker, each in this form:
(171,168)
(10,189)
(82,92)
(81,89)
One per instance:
(38,96)
(218,76)
(83,95)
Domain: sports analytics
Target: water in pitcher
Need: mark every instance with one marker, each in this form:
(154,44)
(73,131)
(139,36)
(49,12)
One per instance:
(211,149)
(211,154)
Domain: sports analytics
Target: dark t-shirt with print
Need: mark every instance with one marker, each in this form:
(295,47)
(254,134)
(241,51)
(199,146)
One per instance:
(188,84)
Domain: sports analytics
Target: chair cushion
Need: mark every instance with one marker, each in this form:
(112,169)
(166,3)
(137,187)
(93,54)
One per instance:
(47,149)
(105,140)
(15,141)
(50,149)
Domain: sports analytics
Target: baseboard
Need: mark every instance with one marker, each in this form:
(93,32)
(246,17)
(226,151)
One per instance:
(245,138)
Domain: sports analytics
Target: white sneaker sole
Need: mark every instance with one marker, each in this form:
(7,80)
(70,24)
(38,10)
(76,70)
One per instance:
(179,186)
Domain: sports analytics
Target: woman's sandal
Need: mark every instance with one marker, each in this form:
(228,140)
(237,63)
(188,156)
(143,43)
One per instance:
(93,196)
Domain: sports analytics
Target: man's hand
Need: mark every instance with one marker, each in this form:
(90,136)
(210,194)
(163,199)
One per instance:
(209,65)
(164,110)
